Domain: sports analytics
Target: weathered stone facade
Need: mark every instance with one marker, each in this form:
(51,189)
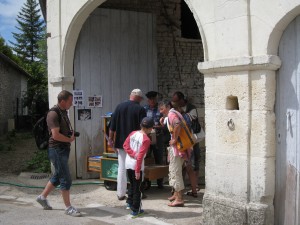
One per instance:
(240,42)
(13,84)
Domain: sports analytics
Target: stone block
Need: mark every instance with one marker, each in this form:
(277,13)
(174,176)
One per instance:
(227,42)
(260,214)
(226,175)
(232,140)
(262,179)
(223,211)
(263,86)
(263,139)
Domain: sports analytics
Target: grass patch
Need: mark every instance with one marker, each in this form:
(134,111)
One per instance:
(39,163)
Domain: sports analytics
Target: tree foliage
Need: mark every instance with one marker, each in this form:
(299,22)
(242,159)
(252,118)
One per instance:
(31,27)
(6,50)
(30,47)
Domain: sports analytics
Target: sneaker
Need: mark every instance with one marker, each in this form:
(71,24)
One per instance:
(44,203)
(137,214)
(128,206)
(72,211)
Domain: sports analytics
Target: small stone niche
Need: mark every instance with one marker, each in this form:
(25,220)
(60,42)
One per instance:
(232,103)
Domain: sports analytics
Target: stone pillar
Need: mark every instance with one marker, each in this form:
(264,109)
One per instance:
(58,79)
(240,140)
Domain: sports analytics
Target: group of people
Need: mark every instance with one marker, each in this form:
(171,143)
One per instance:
(130,117)
(129,132)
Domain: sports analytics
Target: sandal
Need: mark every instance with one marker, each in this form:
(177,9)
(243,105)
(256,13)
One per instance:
(176,204)
(193,194)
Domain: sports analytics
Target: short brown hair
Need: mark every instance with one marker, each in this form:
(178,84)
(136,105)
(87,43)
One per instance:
(165,103)
(64,95)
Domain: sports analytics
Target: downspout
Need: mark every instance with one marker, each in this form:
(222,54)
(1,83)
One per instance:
(60,45)
(249,103)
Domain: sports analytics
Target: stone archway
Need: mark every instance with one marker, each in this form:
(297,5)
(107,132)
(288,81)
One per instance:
(72,34)
(280,26)
(79,19)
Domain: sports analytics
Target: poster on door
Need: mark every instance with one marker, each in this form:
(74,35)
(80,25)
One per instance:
(84,114)
(95,101)
(78,98)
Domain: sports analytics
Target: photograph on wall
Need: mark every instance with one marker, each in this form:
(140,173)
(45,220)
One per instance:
(84,114)
(78,98)
(95,101)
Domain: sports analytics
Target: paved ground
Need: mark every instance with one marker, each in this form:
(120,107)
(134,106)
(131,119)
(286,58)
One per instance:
(98,205)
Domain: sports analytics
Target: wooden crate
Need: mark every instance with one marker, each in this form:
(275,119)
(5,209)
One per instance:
(155,172)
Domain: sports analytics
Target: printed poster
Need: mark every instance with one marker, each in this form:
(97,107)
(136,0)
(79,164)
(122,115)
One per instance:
(78,98)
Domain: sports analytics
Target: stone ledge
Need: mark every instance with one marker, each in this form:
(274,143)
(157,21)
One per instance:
(56,81)
(263,62)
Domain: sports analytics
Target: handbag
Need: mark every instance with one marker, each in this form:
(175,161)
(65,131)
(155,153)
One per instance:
(186,139)
(196,127)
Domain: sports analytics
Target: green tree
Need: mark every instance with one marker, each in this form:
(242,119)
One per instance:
(30,47)
(6,50)
(31,28)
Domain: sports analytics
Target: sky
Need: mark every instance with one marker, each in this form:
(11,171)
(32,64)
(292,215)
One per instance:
(9,9)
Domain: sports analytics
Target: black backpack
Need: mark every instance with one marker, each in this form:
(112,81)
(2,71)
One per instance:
(41,132)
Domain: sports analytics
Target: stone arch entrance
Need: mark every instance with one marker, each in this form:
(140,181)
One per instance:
(177,57)
(80,18)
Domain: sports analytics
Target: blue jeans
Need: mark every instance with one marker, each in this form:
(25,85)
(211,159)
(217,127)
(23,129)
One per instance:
(59,157)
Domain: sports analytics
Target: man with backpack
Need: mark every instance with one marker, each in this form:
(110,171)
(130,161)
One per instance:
(61,136)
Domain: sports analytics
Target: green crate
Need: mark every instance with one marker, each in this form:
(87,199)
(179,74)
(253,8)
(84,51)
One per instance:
(109,169)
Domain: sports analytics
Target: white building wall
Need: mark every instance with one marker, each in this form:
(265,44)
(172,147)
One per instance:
(240,40)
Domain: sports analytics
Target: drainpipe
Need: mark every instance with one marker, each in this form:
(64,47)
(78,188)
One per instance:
(60,44)
(250,102)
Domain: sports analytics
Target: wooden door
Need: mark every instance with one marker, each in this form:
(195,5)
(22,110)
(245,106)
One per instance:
(115,53)
(287,128)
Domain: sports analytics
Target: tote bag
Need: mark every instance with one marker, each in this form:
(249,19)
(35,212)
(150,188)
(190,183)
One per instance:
(186,139)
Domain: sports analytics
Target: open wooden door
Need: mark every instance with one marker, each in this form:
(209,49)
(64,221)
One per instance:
(287,128)
(115,53)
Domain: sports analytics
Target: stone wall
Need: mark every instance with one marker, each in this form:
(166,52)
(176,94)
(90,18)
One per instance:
(240,42)
(12,82)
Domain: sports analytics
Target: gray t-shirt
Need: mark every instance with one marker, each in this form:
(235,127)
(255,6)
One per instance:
(63,124)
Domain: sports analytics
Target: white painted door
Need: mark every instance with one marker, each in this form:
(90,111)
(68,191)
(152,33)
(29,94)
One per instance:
(287,128)
(115,53)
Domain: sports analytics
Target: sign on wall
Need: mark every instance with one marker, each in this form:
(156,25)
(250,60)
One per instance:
(84,114)
(78,98)
(95,101)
